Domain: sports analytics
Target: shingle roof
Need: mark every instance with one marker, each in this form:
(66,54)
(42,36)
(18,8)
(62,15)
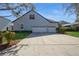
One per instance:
(51,21)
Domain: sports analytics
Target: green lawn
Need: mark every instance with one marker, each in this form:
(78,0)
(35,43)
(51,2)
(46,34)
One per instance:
(21,35)
(76,34)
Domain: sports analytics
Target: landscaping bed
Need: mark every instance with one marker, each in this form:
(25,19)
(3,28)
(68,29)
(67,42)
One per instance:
(11,38)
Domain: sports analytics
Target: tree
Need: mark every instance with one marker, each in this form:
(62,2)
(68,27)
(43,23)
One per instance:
(73,8)
(16,8)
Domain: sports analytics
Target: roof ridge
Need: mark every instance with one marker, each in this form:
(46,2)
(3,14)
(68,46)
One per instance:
(5,18)
(37,13)
(21,16)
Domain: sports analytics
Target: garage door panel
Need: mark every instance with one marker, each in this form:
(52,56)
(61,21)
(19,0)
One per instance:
(39,29)
(52,30)
(44,29)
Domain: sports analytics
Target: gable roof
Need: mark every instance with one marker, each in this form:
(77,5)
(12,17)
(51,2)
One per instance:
(4,23)
(51,21)
(21,16)
(64,22)
(5,18)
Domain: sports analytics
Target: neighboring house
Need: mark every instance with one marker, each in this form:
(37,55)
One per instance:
(73,26)
(64,22)
(4,23)
(68,26)
(76,24)
(33,21)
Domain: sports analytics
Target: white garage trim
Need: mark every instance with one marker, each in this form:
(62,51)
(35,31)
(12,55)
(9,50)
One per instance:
(44,29)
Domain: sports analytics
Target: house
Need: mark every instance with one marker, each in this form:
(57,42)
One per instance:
(73,26)
(33,21)
(64,22)
(4,23)
(76,25)
(68,27)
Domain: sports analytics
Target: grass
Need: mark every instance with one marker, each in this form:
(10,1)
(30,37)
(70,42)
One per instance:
(21,35)
(75,34)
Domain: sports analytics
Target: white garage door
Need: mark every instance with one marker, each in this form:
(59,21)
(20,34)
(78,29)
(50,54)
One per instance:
(52,29)
(39,29)
(44,29)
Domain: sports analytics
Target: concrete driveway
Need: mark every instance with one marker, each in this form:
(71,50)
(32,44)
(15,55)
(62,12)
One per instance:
(47,44)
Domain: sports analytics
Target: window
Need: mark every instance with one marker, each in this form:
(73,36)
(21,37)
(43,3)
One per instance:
(32,16)
(22,26)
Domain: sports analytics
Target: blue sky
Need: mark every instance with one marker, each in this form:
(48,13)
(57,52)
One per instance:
(53,11)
